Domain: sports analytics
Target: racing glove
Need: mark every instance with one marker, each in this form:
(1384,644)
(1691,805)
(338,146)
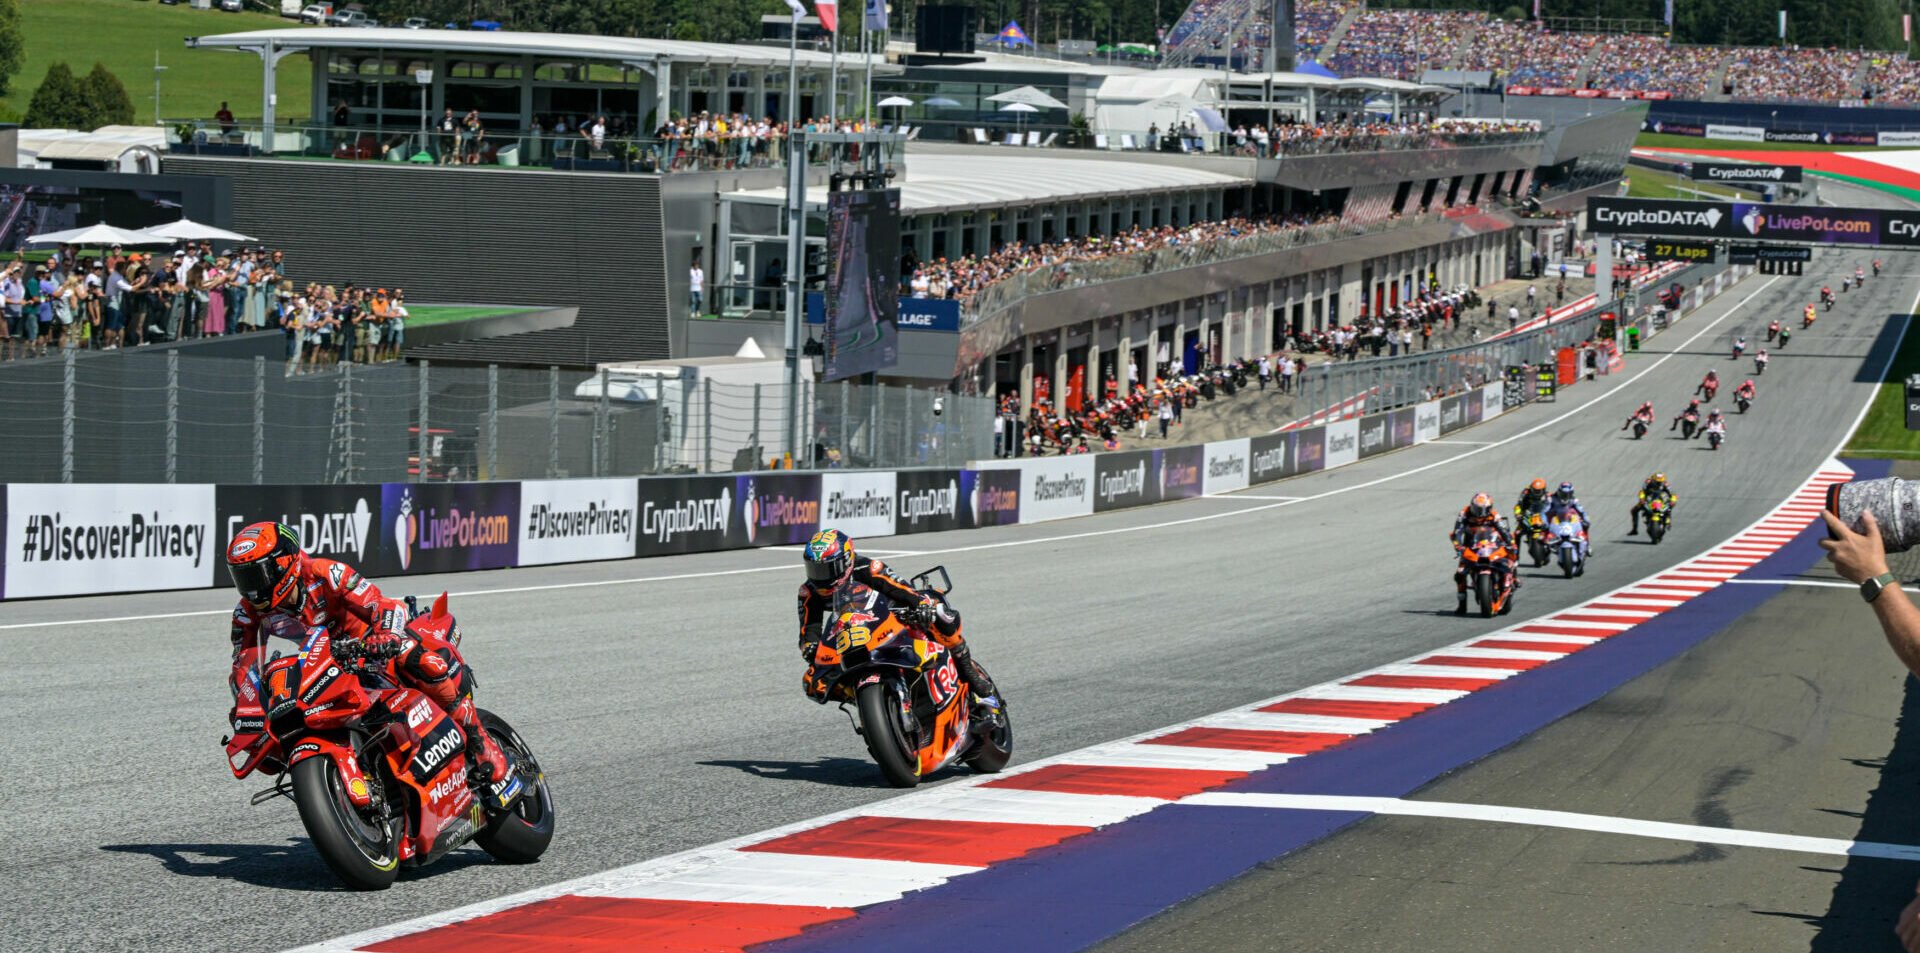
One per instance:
(382,645)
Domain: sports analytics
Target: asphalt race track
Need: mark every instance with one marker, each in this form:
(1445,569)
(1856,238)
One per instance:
(663,696)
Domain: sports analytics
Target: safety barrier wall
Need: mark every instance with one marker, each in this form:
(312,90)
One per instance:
(65,539)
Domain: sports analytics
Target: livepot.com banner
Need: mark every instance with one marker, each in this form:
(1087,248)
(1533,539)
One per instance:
(445,527)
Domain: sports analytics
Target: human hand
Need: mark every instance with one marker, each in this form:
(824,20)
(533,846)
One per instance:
(1857,557)
(1907,927)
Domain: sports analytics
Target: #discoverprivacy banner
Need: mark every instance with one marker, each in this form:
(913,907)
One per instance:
(76,538)
(566,521)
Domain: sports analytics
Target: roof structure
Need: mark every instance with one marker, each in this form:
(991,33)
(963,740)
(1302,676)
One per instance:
(948,182)
(508,43)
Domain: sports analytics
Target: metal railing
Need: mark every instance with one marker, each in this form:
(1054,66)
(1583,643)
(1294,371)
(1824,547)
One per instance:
(1077,273)
(1343,388)
(412,145)
(163,417)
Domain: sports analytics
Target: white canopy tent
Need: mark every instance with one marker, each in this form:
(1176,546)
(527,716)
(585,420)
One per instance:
(1029,96)
(102,234)
(188,230)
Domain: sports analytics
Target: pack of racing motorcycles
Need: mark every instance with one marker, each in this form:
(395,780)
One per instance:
(370,727)
(1555,527)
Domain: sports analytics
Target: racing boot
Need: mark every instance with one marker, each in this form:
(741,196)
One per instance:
(977,677)
(488,766)
(1460,607)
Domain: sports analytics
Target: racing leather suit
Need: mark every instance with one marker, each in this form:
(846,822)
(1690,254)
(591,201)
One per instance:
(1693,407)
(1651,491)
(1463,528)
(944,620)
(349,606)
(1531,501)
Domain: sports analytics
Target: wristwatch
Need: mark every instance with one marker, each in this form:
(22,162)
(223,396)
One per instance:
(1870,590)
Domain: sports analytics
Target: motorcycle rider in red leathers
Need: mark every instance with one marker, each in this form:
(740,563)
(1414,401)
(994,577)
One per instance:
(1479,512)
(286,592)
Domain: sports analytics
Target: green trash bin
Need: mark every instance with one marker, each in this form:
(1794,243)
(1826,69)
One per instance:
(1633,338)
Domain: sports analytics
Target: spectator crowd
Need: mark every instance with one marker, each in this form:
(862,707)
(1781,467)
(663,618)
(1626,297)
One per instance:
(965,277)
(129,299)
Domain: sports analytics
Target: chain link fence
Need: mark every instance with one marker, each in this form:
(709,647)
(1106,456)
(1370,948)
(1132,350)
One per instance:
(162,417)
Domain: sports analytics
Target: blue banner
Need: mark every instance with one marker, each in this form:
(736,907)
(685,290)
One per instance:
(916,314)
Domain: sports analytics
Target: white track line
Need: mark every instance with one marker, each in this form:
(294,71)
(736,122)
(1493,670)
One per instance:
(1563,820)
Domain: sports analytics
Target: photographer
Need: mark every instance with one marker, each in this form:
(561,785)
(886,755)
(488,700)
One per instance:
(1861,557)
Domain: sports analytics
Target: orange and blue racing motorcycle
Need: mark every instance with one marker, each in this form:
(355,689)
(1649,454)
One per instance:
(916,711)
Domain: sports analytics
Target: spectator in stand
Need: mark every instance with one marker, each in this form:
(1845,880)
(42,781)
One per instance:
(1769,73)
(225,118)
(1649,64)
(1402,44)
(1524,53)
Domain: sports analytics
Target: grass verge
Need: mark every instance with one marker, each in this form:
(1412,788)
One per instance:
(125,34)
(425,314)
(1883,432)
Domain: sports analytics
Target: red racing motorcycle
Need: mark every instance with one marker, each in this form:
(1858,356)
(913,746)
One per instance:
(378,771)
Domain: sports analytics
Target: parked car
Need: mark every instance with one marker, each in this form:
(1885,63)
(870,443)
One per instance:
(415,23)
(290,8)
(233,6)
(350,18)
(316,13)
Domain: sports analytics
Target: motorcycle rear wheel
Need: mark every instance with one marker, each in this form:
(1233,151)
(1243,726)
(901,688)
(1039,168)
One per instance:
(521,835)
(362,856)
(881,711)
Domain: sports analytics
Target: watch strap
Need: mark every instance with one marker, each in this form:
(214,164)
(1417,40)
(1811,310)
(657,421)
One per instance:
(1872,588)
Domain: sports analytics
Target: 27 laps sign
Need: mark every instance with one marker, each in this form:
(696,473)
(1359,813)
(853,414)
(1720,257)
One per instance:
(1694,252)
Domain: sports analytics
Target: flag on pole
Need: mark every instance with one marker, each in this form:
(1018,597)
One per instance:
(1669,14)
(1012,35)
(1783,24)
(1536,9)
(829,14)
(877,15)
(798,9)
(1906,28)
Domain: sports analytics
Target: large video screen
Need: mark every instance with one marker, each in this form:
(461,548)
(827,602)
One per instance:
(863,284)
(27,210)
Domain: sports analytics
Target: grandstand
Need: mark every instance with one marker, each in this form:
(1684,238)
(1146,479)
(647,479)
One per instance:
(1564,57)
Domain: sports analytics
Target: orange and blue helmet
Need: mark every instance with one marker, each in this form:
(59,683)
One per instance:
(264,560)
(1480,508)
(829,558)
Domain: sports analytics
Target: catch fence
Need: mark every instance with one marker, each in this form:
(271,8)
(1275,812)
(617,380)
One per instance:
(166,417)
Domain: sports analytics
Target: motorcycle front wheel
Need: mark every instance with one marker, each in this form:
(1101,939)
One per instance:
(885,718)
(522,834)
(364,855)
(1483,594)
(1656,530)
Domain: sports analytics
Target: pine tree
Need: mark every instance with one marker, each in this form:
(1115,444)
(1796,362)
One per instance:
(107,102)
(59,103)
(13,44)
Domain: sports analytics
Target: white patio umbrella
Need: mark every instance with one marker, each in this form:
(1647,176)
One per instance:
(896,102)
(1019,111)
(1028,95)
(102,234)
(942,101)
(188,230)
